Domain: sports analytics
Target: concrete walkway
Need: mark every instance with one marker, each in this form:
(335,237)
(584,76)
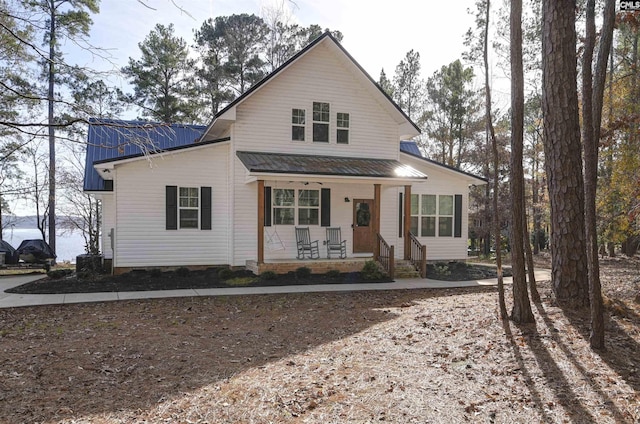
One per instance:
(11,300)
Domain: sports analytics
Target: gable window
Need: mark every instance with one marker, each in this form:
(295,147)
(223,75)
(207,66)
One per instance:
(188,207)
(296,207)
(297,124)
(429,211)
(321,122)
(342,122)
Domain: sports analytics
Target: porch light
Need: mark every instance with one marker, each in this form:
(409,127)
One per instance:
(347,200)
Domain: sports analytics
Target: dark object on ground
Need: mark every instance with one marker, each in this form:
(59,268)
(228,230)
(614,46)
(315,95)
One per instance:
(10,255)
(142,280)
(462,271)
(35,251)
(89,263)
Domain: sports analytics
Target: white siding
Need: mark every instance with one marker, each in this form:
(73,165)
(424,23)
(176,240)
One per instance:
(245,216)
(442,181)
(264,119)
(108,223)
(141,237)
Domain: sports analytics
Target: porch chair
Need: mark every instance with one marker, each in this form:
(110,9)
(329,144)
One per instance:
(335,243)
(305,245)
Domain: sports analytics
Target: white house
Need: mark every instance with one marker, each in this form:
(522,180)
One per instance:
(314,144)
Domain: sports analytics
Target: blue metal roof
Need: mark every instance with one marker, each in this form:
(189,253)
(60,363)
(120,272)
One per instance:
(410,147)
(116,139)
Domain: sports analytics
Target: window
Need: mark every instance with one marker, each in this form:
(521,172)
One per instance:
(297,124)
(188,207)
(308,207)
(342,136)
(427,210)
(321,122)
(283,206)
(445,216)
(286,203)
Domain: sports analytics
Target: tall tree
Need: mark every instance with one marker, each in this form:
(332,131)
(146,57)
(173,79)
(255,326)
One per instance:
(408,86)
(450,115)
(563,152)
(592,101)
(64,20)
(162,78)
(386,84)
(521,312)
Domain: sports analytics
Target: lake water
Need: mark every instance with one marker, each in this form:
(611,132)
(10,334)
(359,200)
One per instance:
(68,245)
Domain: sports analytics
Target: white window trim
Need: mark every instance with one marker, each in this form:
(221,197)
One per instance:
(437,215)
(304,126)
(296,206)
(347,128)
(181,208)
(328,123)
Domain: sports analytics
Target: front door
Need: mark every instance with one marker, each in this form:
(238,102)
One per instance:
(363,236)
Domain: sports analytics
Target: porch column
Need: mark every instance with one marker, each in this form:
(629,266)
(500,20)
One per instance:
(376,220)
(376,208)
(407,221)
(260,221)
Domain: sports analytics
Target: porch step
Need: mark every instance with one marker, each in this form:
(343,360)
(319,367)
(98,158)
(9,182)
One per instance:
(405,269)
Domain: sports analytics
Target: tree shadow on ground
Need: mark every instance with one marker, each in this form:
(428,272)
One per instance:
(554,373)
(100,358)
(621,353)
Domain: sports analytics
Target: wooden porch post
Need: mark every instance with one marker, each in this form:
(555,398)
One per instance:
(376,221)
(260,221)
(407,221)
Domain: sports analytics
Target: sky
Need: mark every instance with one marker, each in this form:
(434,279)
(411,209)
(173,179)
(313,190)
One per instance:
(378,37)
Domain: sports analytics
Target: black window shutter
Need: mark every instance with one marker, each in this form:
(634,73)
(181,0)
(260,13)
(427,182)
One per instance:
(457,226)
(172,207)
(400,217)
(205,208)
(325,207)
(267,206)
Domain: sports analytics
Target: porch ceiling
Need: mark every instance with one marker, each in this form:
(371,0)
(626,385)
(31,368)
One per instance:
(291,164)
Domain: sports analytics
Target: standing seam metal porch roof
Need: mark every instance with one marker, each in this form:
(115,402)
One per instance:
(278,163)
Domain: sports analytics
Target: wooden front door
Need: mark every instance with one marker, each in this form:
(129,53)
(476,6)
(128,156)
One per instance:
(363,235)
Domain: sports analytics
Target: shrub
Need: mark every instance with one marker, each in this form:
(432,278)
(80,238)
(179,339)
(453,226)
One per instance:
(86,275)
(59,273)
(371,271)
(268,275)
(225,274)
(182,271)
(333,274)
(156,273)
(442,270)
(303,272)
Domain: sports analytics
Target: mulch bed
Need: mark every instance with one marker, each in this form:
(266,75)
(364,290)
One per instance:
(144,280)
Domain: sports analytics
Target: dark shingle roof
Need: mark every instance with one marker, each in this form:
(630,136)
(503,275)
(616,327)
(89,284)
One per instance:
(277,163)
(116,139)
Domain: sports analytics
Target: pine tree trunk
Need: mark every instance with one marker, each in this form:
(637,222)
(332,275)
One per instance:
(563,153)
(52,135)
(521,311)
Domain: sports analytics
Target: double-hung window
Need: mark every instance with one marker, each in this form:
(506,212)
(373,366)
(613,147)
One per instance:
(429,212)
(321,122)
(296,207)
(298,123)
(188,207)
(342,124)
(284,206)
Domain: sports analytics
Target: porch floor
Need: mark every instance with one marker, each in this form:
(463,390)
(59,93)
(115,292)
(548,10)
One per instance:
(317,266)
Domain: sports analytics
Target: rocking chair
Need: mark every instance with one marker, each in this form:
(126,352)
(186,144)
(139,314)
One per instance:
(335,243)
(305,245)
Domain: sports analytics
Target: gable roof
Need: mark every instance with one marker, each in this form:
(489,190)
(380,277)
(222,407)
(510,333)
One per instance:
(411,148)
(228,113)
(112,140)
